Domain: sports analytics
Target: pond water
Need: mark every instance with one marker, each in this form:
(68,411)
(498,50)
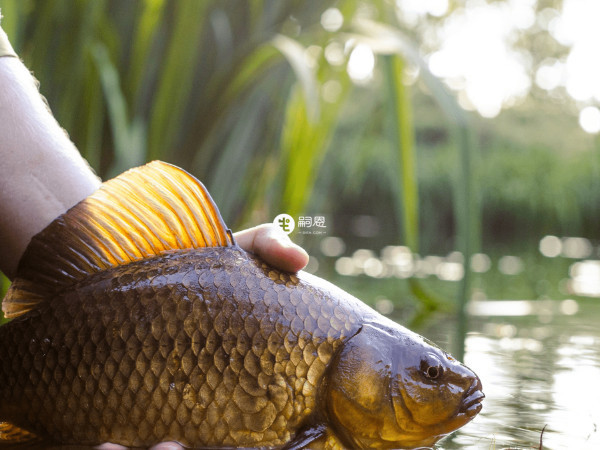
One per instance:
(539,369)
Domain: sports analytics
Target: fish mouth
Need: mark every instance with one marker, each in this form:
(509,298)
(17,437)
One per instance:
(471,404)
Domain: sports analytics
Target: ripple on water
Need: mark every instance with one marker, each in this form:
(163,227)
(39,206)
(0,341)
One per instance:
(535,374)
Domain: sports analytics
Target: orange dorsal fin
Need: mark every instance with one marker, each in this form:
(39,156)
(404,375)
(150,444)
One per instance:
(142,213)
(10,434)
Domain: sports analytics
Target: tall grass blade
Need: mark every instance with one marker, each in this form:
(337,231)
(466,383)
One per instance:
(404,141)
(128,136)
(401,130)
(93,117)
(388,40)
(149,24)
(296,57)
(299,143)
(304,143)
(176,78)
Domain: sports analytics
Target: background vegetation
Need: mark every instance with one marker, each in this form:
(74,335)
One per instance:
(365,112)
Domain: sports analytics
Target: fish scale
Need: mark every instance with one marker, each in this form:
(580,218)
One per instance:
(207,361)
(137,319)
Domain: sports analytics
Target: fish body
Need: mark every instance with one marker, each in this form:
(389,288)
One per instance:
(140,340)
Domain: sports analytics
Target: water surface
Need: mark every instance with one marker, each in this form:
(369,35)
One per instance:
(538,370)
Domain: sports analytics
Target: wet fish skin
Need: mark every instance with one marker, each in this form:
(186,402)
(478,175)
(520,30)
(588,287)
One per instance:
(198,347)
(137,319)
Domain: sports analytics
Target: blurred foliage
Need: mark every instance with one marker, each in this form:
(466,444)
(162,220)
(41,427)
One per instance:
(241,93)
(256,100)
(224,89)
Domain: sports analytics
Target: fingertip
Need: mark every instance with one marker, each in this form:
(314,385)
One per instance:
(279,250)
(292,257)
(167,446)
(274,246)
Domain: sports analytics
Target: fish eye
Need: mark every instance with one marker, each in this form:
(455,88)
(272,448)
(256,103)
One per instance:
(434,372)
(431,367)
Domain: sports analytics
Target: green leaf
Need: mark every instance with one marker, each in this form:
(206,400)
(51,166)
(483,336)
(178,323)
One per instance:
(295,54)
(177,76)
(128,136)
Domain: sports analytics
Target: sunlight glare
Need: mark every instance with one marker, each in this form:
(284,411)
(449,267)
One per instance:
(574,396)
(475,47)
(577,27)
(523,13)
(585,278)
(361,64)
(550,74)
(546,17)
(589,119)
(419,8)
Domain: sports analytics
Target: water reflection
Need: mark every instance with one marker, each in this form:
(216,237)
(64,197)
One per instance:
(534,374)
(585,278)
(396,261)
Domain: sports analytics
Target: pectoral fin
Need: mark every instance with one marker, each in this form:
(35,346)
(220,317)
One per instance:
(10,434)
(313,436)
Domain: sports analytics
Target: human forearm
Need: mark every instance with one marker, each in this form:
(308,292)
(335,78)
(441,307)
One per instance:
(41,172)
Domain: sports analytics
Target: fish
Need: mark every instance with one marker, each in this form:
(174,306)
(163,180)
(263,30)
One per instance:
(137,319)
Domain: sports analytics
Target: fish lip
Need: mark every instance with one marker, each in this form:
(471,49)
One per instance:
(473,408)
(471,404)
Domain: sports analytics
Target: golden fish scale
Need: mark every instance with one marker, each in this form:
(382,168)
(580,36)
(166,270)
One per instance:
(206,347)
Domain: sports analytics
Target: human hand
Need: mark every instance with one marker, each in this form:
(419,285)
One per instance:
(276,248)
(161,446)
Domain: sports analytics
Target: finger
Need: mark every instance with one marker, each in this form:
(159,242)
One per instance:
(274,246)
(109,446)
(167,446)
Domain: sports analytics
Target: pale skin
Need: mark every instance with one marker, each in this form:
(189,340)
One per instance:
(42,175)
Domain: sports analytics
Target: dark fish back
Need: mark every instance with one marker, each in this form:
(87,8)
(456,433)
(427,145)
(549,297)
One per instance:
(206,347)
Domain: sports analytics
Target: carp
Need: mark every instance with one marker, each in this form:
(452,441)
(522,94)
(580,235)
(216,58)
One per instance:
(136,319)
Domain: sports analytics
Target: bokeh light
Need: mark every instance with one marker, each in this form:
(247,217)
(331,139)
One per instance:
(480,263)
(576,247)
(589,119)
(577,27)
(550,74)
(510,265)
(332,19)
(416,9)
(361,64)
(332,246)
(550,246)
(476,55)
(585,278)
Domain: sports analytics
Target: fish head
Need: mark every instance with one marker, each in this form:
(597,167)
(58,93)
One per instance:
(391,388)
